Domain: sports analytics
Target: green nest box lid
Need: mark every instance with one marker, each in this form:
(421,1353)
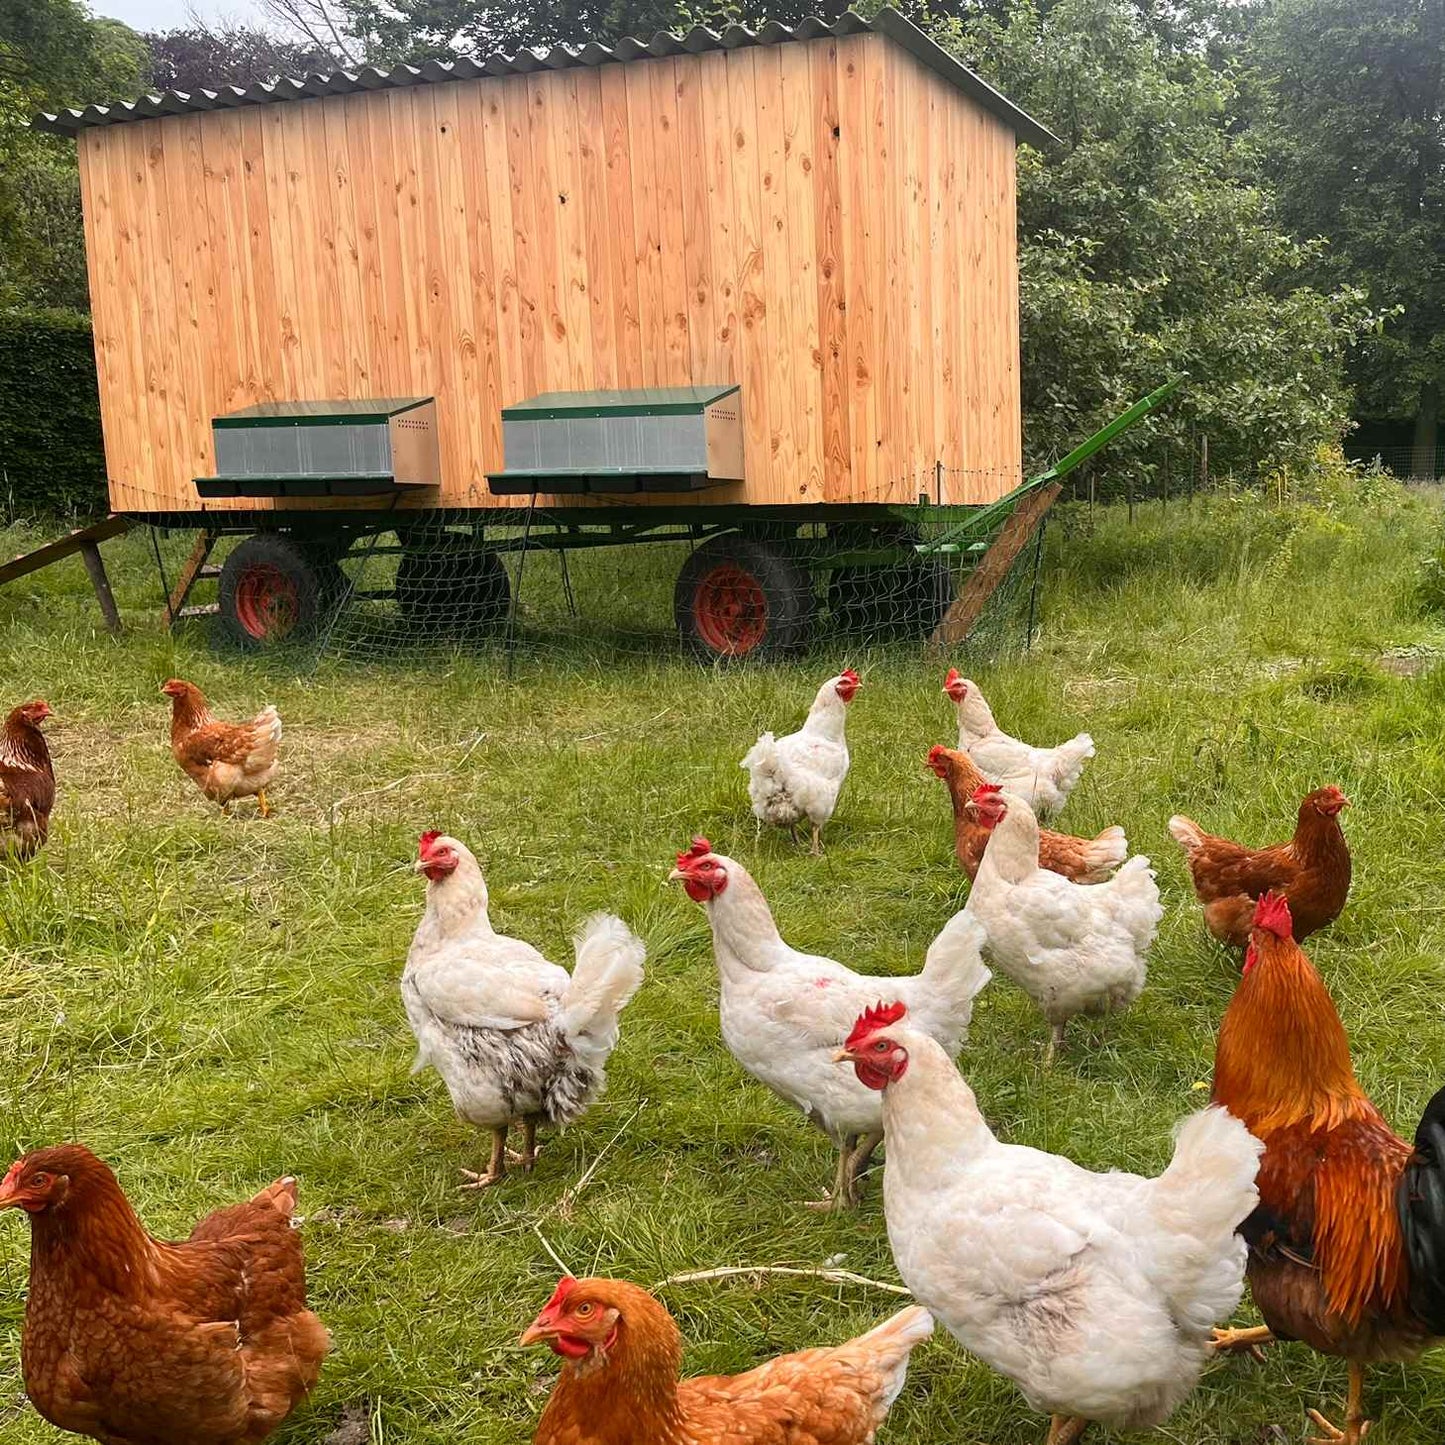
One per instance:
(637,401)
(374,411)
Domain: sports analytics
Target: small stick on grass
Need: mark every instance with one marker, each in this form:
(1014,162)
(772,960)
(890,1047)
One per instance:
(552,1253)
(833,1276)
(570,1194)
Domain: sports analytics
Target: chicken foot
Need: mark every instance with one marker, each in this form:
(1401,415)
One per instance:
(264,805)
(1356,1426)
(1066,1429)
(496,1170)
(1246,1341)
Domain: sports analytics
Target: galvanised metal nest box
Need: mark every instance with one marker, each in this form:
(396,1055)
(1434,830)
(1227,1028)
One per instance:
(324,449)
(654,439)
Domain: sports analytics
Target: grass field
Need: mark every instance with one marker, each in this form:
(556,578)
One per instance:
(211,1002)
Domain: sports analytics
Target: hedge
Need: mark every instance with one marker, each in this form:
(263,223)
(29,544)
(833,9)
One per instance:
(51,459)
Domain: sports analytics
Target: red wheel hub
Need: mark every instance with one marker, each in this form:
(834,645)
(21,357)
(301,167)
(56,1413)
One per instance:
(268,602)
(730,610)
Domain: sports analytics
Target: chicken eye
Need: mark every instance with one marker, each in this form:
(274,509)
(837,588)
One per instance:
(583,1311)
(881,1047)
(39,1181)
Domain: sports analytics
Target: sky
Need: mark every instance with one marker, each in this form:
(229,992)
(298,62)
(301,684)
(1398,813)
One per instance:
(176,14)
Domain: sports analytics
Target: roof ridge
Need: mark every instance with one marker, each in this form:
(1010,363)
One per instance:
(562,56)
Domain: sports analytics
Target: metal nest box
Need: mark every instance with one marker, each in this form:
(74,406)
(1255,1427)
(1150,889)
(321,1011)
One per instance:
(649,439)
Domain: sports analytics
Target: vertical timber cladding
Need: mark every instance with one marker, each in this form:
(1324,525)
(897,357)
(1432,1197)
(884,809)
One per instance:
(827,223)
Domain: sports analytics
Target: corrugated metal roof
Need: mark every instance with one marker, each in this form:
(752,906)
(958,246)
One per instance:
(560,57)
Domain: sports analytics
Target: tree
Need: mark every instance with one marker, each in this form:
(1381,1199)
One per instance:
(1354,129)
(1150,245)
(241,55)
(53,53)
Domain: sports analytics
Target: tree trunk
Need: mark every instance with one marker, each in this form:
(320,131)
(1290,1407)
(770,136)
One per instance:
(1422,458)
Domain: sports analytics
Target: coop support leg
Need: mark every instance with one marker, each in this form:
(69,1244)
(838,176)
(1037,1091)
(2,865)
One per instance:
(95,566)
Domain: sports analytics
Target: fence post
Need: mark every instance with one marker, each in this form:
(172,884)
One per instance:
(938,481)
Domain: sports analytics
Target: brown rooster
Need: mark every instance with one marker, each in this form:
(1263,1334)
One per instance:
(1312,870)
(225,760)
(27,782)
(135,1342)
(619,1386)
(1082,860)
(1347,1246)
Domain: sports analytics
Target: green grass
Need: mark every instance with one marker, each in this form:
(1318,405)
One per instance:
(210,1003)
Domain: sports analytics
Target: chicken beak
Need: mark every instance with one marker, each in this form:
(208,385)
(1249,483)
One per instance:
(842,1056)
(676,876)
(536,1333)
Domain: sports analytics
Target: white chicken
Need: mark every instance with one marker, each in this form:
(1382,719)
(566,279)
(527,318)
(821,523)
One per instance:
(784,1014)
(1042,777)
(515,1038)
(1094,1293)
(1073,948)
(799,776)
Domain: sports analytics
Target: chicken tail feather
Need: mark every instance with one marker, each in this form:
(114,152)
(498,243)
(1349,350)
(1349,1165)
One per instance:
(608,973)
(1069,760)
(953,976)
(887,1348)
(1187,833)
(1106,852)
(1198,1203)
(1420,1199)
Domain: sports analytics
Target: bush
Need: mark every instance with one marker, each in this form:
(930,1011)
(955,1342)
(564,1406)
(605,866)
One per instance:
(51,459)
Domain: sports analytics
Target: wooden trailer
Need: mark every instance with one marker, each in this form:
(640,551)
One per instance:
(756,288)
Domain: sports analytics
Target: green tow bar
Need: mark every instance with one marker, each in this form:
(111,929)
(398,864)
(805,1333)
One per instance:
(983,521)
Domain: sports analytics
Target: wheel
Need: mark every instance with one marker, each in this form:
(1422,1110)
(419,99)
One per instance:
(274,588)
(737,597)
(452,584)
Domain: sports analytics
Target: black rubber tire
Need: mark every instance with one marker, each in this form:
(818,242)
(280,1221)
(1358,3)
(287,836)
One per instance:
(275,589)
(907,600)
(452,586)
(777,619)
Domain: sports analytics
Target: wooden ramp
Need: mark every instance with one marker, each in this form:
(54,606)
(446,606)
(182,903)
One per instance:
(87,542)
(993,566)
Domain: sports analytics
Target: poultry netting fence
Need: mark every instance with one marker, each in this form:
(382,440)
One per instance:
(537,583)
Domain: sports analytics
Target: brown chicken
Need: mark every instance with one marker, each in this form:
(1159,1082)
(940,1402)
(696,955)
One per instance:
(135,1342)
(224,760)
(27,782)
(1347,1245)
(1312,870)
(1082,860)
(619,1386)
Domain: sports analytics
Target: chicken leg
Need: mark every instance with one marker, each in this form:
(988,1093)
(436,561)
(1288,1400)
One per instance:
(817,849)
(496,1169)
(1056,1042)
(264,805)
(527,1159)
(858,1162)
(1356,1426)
(1066,1429)
(839,1199)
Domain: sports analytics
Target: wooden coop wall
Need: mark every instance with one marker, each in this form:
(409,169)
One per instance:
(827,223)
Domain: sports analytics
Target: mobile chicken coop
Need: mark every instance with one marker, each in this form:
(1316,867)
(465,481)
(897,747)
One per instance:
(757,290)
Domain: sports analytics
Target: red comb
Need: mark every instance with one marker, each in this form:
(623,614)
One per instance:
(984,790)
(700,849)
(875,1018)
(848,675)
(936,759)
(424,843)
(1271,913)
(565,1286)
(953,677)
